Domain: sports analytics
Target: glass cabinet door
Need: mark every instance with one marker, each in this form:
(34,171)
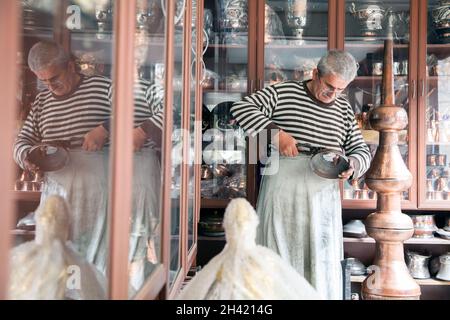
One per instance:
(65,95)
(365,31)
(225,77)
(177,144)
(434,89)
(148,127)
(295,37)
(191,129)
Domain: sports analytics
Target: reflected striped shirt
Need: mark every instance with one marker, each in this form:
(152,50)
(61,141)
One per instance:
(291,107)
(70,118)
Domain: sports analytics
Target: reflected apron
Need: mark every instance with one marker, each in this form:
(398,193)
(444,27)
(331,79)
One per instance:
(83,182)
(300,219)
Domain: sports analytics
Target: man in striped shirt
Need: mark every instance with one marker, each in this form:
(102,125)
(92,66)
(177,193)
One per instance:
(300,212)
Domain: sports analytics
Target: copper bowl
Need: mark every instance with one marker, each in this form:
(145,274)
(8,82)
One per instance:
(48,157)
(212,226)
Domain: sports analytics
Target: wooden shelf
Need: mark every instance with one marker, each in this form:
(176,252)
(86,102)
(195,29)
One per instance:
(214,203)
(20,232)
(434,240)
(422,282)
(29,196)
(227,46)
(208,238)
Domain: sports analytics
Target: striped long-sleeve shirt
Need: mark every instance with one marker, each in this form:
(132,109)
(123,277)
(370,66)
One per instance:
(70,118)
(290,106)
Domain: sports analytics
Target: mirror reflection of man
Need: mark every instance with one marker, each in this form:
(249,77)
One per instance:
(72,108)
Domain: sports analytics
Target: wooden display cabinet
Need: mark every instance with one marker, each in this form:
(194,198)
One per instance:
(169,49)
(270,53)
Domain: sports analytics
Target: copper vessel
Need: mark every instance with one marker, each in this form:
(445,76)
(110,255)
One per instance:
(389,177)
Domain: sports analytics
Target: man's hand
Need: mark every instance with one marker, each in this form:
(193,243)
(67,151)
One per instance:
(348,173)
(30,166)
(95,139)
(139,138)
(285,144)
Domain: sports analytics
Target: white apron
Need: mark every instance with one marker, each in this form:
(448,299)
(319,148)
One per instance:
(300,219)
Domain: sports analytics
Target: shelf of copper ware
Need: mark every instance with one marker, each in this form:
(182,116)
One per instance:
(214,203)
(438,143)
(422,282)
(296,47)
(434,240)
(377,78)
(226,90)
(437,47)
(370,44)
(30,196)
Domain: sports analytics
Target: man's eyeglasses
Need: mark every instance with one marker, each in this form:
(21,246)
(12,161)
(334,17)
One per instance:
(329,89)
(55,79)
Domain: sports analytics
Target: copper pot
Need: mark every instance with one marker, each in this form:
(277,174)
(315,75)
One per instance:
(418,265)
(221,170)
(424,226)
(206,172)
(431,159)
(442,184)
(442,159)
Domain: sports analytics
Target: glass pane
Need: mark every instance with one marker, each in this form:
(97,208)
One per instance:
(145,232)
(62,149)
(177,143)
(191,175)
(296,36)
(438,102)
(225,75)
(366,25)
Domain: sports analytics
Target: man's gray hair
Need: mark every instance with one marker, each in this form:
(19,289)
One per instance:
(339,63)
(45,54)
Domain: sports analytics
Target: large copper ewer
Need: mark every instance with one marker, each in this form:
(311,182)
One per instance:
(389,177)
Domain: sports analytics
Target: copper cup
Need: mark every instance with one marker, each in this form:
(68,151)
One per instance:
(27,186)
(348,193)
(431,159)
(441,184)
(438,195)
(365,194)
(36,185)
(435,173)
(442,159)
(18,185)
(430,186)
(446,195)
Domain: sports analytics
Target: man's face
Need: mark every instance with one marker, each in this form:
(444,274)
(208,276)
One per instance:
(58,79)
(328,87)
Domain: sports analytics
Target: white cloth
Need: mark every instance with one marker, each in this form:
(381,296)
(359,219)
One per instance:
(244,270)
(300,216)
(47,267)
